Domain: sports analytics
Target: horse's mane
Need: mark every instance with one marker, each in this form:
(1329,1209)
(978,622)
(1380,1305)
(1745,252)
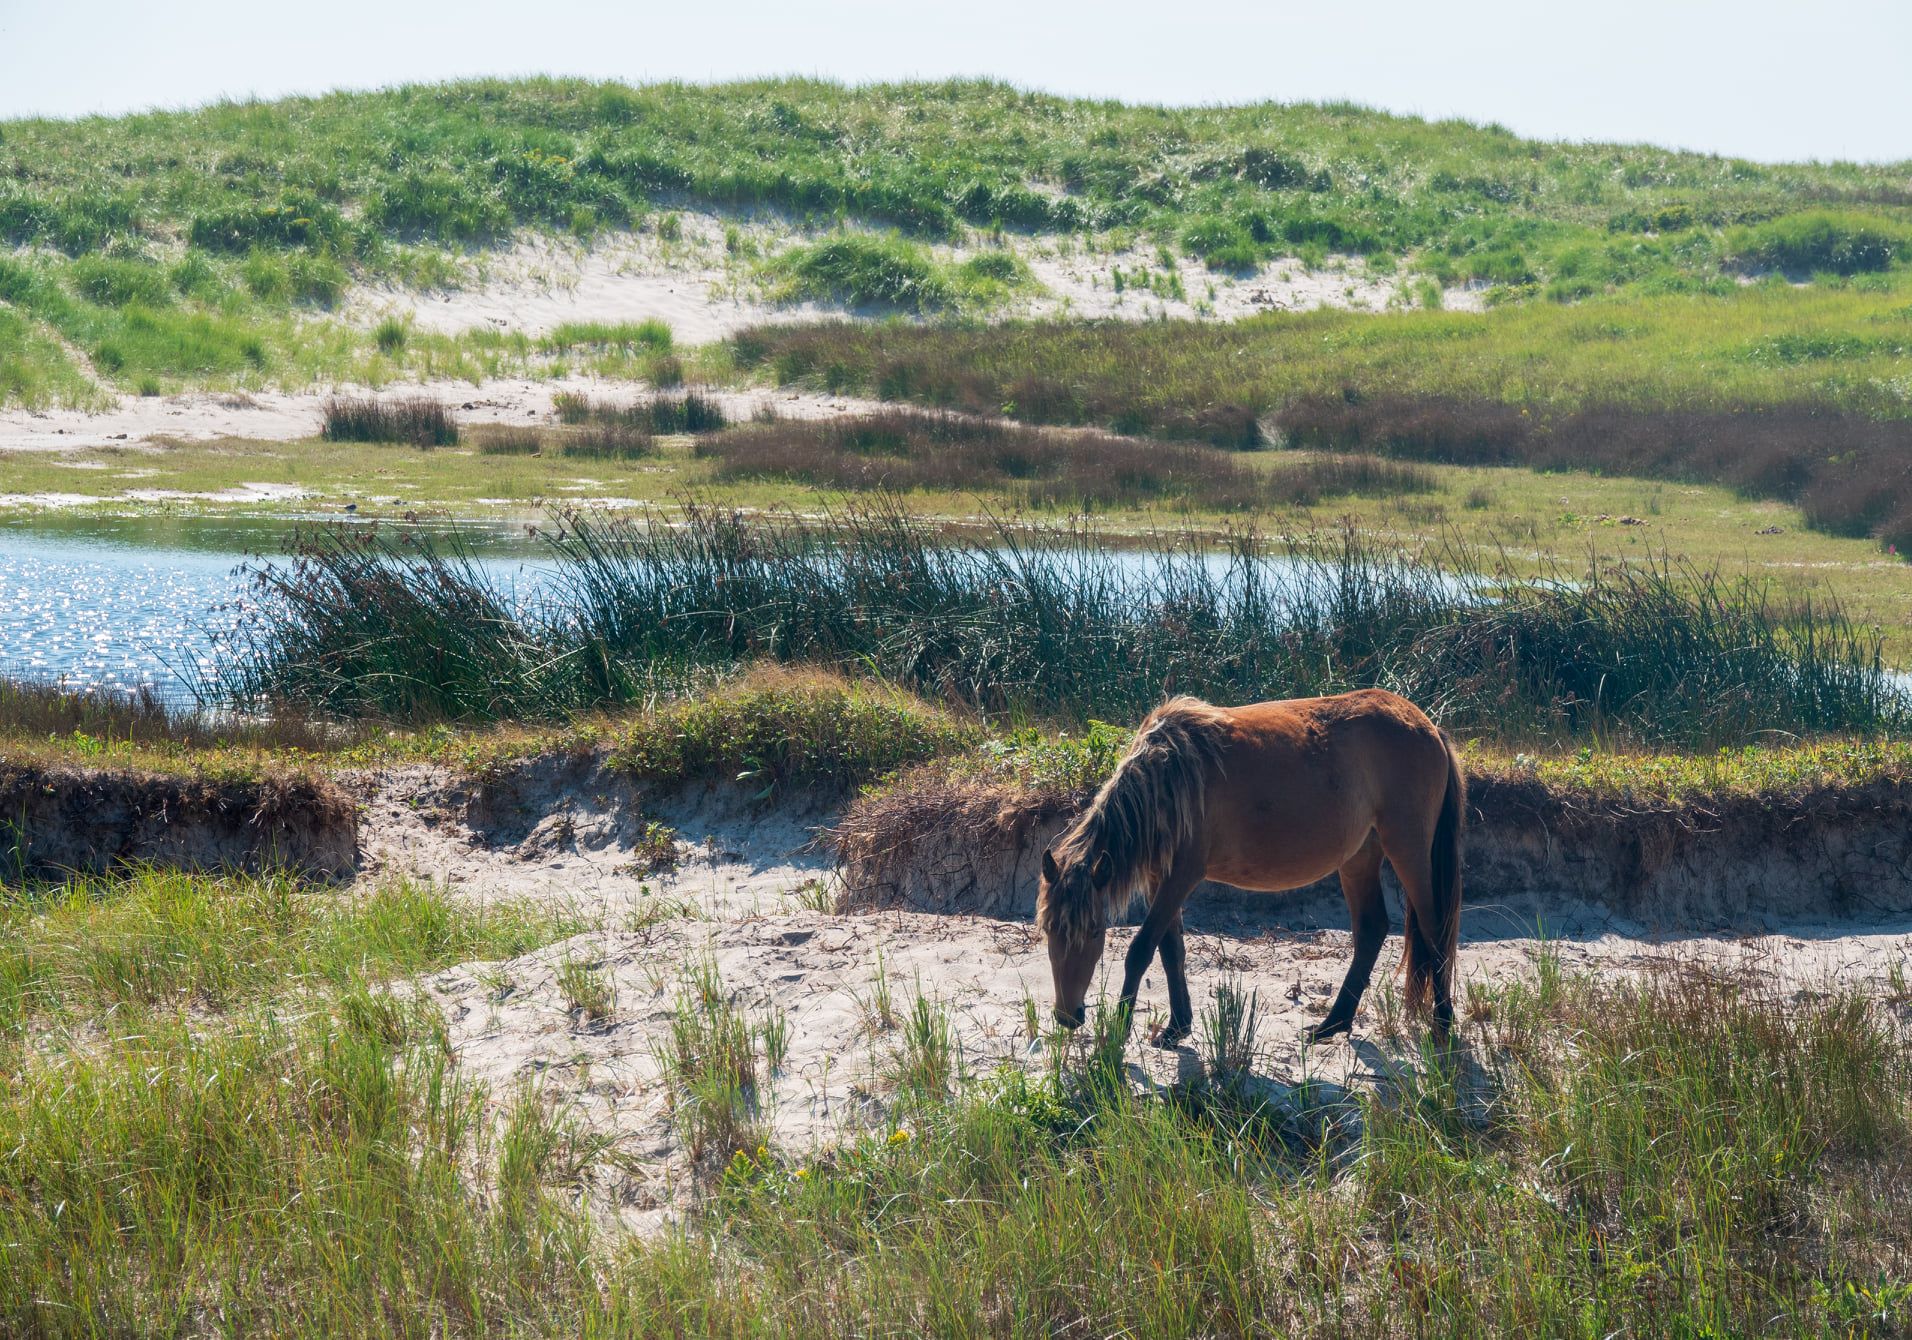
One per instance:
(1149,808)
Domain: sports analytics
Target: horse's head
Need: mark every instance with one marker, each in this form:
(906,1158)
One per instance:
(1071,912)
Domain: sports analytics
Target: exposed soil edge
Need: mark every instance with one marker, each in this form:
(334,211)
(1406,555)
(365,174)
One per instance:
(941,844)
(60,820)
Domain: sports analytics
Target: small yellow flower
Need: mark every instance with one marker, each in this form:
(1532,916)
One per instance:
(803,1172)
(900,1136)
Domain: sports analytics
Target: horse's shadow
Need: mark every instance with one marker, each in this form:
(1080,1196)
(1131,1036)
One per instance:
(1310,1114)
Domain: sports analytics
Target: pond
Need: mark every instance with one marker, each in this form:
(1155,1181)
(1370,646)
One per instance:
(137,602)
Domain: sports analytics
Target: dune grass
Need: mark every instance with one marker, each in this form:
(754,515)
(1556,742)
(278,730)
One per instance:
(206,247)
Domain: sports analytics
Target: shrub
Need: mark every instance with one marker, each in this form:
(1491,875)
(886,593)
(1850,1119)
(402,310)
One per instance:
(1222,244)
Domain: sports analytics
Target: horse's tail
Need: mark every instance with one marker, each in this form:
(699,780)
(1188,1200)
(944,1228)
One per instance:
(1431,950)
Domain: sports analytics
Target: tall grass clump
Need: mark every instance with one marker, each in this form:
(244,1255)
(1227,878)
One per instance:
(689,412)
(1043,619)
(628,336)
(1821,241)
(863,271)
(417,421)
(388,627)
(505,439)
(712,1065)
(610,439)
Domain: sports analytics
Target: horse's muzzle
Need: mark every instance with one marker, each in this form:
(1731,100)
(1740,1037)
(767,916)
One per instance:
(1068,1020)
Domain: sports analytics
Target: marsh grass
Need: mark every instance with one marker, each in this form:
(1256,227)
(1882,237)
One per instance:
(902,450)
(1044,620)
(416,421)
(688,412)
(96,720)
(609,439)
(1846,471)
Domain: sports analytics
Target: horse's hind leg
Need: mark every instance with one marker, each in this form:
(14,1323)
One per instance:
(1181,1010)
(1368,918)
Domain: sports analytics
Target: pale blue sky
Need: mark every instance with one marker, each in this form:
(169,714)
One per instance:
(1765,80)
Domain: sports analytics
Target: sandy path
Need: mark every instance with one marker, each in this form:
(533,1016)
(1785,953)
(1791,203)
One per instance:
(275,416)
(743,897)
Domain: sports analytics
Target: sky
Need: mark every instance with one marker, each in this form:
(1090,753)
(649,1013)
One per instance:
(1756,79)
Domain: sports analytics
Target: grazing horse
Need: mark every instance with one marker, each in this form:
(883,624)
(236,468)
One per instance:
(1267,797)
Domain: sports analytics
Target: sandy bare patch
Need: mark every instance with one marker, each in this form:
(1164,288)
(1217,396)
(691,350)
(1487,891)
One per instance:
(142,422)
(541,283)
(744,896)
(589,844)
(707,292)
(511,1024)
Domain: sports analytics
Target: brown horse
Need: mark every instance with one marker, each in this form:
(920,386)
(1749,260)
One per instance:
(1267,797)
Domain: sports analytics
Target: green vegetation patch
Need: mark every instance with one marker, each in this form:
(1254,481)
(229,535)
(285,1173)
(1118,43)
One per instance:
(785,730)
(1821,242)
(864,271)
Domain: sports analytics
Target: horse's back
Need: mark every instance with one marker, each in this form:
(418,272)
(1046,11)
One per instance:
(1299,783)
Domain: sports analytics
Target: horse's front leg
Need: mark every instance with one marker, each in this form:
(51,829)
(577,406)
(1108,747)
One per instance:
(1181,1010)
(1165,915)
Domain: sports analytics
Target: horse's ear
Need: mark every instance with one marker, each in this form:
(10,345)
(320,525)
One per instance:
(1099,872)
(1049,870)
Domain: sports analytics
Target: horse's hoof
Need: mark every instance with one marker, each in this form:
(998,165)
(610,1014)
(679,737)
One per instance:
(1168,1037)
(1327,1028)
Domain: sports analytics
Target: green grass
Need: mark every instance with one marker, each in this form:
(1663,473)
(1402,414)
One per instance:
(160,940)
(779,730)
(891,273)
(1677,351)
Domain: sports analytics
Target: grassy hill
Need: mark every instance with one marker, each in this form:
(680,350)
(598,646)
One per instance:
(179,248)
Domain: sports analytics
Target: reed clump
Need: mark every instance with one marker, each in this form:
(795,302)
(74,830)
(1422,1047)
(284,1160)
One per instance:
(417,421)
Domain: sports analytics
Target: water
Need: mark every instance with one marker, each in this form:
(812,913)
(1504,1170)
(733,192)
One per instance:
(134,602)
